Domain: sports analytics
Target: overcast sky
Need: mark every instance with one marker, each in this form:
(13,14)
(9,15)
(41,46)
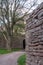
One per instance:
(39,1)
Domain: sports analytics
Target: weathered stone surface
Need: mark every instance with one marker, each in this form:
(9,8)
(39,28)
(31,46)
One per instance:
(17,42)
(34,37)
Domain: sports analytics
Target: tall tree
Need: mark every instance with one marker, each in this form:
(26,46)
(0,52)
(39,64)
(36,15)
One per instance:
(12,11)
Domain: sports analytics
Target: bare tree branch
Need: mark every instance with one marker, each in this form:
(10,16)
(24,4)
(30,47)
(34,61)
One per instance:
(13,11)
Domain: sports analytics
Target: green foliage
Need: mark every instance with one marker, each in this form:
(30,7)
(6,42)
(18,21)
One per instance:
(0,33)
(19,28)
(22,60)
(21,25)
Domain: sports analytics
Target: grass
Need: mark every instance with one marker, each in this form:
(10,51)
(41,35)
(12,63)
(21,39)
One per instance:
(5,51)
(16,49)
(22,60)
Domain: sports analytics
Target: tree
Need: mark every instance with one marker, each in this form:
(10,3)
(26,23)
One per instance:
(19,28)
(12,11)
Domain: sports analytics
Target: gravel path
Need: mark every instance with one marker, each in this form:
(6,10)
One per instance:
(10,59)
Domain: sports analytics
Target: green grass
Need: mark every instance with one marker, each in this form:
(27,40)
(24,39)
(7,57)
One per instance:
(5,51)
(16,49)
(22,60)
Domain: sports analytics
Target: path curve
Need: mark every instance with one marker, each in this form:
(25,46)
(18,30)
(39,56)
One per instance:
(10,59)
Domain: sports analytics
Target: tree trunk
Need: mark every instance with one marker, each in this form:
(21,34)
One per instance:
(9,39)
(8,42)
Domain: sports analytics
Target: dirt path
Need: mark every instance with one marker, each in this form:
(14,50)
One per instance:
(10,59)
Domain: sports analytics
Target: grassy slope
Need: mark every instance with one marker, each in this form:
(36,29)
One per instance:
(22,60)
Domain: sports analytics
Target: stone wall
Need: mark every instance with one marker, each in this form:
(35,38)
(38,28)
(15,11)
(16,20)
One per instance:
(17,42)
(34,37)
(2,42)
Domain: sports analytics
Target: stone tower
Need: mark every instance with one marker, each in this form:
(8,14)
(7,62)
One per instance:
(34,37)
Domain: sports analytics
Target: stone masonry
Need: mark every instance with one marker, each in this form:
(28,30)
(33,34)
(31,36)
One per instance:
(34,37)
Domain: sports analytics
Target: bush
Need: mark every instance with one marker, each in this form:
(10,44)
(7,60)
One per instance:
(22,60)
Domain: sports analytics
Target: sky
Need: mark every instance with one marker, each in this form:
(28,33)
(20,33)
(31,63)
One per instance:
(30,1)
(39,1)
